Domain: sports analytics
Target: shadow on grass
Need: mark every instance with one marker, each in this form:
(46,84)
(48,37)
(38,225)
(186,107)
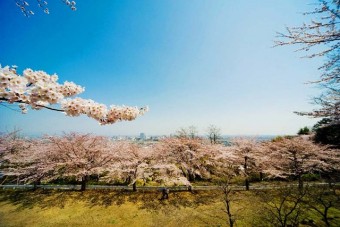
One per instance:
(151,201)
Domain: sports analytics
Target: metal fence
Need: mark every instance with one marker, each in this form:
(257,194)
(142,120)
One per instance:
(155,188)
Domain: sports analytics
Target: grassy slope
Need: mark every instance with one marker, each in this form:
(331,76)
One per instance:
(95,208)
(108,208)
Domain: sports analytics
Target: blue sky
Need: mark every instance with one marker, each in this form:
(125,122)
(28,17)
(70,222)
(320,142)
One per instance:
(197,62)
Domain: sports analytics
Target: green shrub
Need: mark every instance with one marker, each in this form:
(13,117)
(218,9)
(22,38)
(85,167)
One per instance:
(311,177)
(304,131)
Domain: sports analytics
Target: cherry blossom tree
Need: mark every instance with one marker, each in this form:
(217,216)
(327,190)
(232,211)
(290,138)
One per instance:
(297,156)
(11,143)
(20,158)
(133,165)
(38,90)
(76,156)
(143,162)
(193,156)
(138,161)
(72,155)
(323,31)
(251,156)
(198,159)
(224,164)
(168,175)
(80,156)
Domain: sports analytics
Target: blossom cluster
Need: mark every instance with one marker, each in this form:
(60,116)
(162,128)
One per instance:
(71,4)
(78,106)
(39,90)
(24,6)
(34,87)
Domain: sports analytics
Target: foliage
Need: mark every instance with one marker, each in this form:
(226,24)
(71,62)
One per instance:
(327,133)
(172,161)
(323,122)
(69,156)
(304,131)
(192,156)
(251,157)
(280,138)
(297,156)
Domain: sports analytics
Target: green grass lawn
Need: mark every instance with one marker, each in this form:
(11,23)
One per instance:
(113,208)
(108,208)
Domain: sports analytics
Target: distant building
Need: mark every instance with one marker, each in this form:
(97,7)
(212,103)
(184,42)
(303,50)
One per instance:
(142,136)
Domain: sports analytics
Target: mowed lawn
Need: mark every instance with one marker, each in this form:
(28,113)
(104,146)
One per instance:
(109,208)
(114,208)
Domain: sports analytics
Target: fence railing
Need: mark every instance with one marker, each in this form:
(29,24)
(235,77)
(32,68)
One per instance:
(155,188)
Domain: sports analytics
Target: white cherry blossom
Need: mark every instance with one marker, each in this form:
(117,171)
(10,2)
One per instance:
(38,90)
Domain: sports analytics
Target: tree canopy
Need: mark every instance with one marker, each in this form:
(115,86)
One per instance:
(322,31)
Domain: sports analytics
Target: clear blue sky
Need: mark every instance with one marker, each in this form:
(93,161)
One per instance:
(197,62)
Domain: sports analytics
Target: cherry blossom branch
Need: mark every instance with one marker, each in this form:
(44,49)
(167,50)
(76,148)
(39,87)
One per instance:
(22,102)
(325,32)
(38,90)
(43,5)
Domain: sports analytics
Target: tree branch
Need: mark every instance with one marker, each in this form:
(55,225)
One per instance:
(42,106)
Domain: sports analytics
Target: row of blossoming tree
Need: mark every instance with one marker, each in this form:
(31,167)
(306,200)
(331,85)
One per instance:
(172,161)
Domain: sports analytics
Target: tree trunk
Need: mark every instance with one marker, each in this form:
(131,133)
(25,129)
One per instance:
(4,180)
(230,217)
(190,188)
(261,176)
(247,184)
(83,183)
(191,175)
(231,221)
(325,217)
(227,199)
(300,182)
(134,186)
(128,180)
(246,172)
(36,183)
(165,193)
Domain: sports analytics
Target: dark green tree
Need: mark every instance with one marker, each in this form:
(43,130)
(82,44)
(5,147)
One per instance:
(327,132)
(304,131)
